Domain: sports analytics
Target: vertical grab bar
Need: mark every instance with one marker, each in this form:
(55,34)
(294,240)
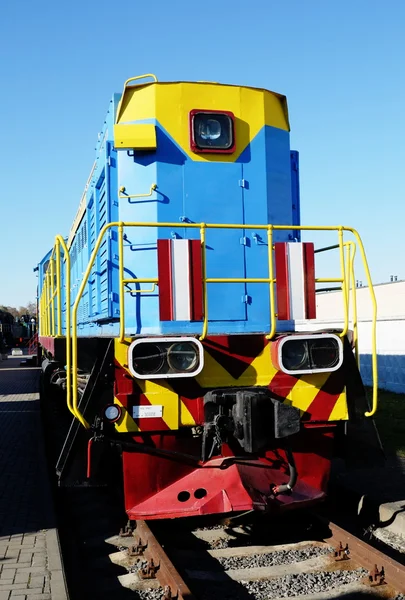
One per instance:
(204,280)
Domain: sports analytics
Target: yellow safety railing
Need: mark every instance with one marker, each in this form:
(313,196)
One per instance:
(123,195)
(54,289)
(138,78)
(346,280)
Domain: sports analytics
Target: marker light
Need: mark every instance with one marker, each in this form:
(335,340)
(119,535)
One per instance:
(212,131)
(112,413)
(159,358)
(300,354)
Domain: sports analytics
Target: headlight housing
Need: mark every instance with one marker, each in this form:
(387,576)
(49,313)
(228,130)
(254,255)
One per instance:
(300,354)
(212,131)
(159,358)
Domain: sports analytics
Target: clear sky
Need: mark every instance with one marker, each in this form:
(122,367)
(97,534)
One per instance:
(340,63)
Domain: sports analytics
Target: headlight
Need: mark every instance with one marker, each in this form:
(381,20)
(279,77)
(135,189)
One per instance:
(159,358)
(209,129)
(182,357)
(147,358)
(295,354)
(212,131)
(112,412)
(299,354)
(324,353)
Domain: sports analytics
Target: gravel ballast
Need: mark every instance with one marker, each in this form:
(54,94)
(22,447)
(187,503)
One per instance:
(284,587)
(272,559)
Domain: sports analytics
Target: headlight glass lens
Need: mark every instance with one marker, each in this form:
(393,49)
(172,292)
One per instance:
(182,357)
(213,131)
(112,412)
(209,129)
(324,353)
(148,358)
(295,355)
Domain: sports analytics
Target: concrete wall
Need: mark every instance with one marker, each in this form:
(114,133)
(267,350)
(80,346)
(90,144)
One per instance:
(390,330)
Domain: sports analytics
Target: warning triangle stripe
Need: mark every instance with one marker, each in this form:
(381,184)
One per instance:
(324,402)
(282,384)
(235,353)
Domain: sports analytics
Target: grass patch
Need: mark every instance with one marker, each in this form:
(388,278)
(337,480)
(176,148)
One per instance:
(390,421)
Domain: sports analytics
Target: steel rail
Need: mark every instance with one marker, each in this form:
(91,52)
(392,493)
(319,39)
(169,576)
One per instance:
(167,574)
(361,553)
(367,556)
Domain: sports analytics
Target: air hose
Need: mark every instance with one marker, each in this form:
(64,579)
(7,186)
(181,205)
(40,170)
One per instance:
(287,488)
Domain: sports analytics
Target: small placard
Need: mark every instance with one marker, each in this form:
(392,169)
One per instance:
(147,412)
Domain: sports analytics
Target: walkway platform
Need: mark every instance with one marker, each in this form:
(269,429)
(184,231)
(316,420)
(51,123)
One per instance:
(30,557)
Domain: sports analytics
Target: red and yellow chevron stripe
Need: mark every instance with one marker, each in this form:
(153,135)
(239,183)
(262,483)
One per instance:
(229,361)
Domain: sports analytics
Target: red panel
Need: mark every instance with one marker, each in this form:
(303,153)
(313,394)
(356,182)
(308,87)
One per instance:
(169,489)
(309,278)
(196,286)
(164,254)
(282,285)
(55,346)
(48,343)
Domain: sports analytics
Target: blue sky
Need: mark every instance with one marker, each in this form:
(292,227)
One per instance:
(339,63)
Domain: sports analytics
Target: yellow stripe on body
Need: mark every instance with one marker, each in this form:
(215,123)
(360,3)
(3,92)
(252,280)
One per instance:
(305,390)
(126,422)
(259,372)
(158,393)
(340,411)
(171,103)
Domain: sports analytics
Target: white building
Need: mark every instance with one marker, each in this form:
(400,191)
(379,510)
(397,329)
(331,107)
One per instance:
(390,330)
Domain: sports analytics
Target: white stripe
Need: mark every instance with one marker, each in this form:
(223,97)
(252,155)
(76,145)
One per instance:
(296,280)
(181,280)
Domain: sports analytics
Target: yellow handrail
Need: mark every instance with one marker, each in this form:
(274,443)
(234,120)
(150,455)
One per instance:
(53,294)
(48,293)
(121,280)
(125,87)
(204,280)
(123,195)
(59,241)
(145,291)
(271,282)
(346,280)
(374,324)
(344,285)
(59,289)
(351,282)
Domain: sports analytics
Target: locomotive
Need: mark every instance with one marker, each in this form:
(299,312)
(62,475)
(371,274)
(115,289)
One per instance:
(178,317)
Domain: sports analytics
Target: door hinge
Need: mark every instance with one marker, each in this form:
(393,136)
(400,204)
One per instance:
(246,299)
(243,183)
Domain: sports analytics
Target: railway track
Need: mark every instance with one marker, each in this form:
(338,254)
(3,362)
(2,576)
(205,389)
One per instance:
(165,561)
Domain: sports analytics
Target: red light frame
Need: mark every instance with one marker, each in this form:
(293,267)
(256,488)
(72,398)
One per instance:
(195,148)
